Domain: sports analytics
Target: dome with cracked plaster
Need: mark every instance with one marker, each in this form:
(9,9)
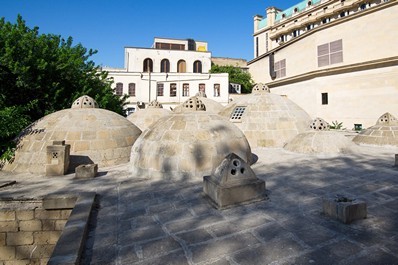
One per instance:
(209,104)
(383,133)
(267,120)
(144,118)
(186,146)
(95,135)
(319,139)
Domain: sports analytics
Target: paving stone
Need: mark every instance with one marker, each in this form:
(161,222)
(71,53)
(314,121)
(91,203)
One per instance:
(143,234)
(195,236)
(174,258)
(314,235)
(159,247)
(270,231)
(127,254)
(218,248)
(272,251)
(375,257)
(174,215)
(193,223)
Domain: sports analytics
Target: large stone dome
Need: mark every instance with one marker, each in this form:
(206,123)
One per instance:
(267,120)
(95,135)
(187,145)
(143,118)
(383,133)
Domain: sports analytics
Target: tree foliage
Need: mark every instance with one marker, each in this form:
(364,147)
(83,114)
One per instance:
(44,73)
(236,75)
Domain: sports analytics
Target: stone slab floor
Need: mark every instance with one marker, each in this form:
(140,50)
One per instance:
(139,221)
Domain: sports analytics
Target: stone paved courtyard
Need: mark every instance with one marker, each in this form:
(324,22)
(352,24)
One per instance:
(138,221)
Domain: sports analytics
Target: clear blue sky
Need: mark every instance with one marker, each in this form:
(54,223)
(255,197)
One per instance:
(109,26)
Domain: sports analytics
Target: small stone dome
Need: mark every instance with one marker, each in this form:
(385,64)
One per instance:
(317,141)
(193,104)
(383,133)
(84,102)
(319,125)
(186,146)
(144,118)
(267,120)
(210,106)
(95,135)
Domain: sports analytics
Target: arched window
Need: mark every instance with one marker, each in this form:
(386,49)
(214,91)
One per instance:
(181,66)
(197,67)
(119,89)
(283,15)
(132,89)
(148,65)
(164,66)
(295,10)
(309,3)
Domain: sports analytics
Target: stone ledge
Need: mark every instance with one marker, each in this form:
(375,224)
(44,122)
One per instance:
(70,245)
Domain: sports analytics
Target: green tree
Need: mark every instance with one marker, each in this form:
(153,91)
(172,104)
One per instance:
(44,73)
(236,75)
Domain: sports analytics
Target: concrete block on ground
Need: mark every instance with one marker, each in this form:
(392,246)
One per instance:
(344,208)
(86,171)
(58,158)
(233,182)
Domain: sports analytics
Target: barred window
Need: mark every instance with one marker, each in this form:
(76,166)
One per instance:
(216,90)
(132,89)
(173,90)
(185,90)
(119,89)
(237,114)
(160,89)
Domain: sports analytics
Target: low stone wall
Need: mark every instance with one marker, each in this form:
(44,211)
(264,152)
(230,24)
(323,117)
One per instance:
(28,232)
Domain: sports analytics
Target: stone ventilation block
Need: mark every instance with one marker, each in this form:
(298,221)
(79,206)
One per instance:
(387,119)
(261,88)
(233,182)
(58,157)
(84,102)
(319,125)
(193,104)
(344,209)
(155,104)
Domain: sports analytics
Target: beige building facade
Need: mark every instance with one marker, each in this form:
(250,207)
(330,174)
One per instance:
(336,59)
(171,71)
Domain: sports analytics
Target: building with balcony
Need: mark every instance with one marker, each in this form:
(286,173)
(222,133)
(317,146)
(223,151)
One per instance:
(171,71)
(337,59)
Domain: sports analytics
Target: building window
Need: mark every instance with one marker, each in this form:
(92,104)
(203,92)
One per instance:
(330,53)
(202,88)
(185,90)
(173,90)
(309,3)
(283,15)
(132,89)
(325,20)
(216,90)
(237,114)
(325,98)
(363,7)
(119,89)
(266,42)
(310,26)
(181,66)
(148,65)
(197,67)
(164,66)
(256,46)
(296,33)
(160,89)
(295,10)
(280,68)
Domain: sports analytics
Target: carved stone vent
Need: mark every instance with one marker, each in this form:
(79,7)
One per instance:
(387,119)
(260,88)
(319,125)
(193,104)
(84,102)
(155,104)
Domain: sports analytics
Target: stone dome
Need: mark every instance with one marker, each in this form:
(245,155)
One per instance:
(383,133)
(84,102)
(95,135)
(267,120)
(210,106)
(144,118)
(320,140)
(186,146)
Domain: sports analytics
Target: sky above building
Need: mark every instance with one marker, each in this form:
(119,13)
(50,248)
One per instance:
(109,26)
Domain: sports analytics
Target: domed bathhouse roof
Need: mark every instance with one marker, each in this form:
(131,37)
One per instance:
(95,135)
(143,118)
(383,133)
(267,120)
(320,140)
(210,105)
(187,145)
